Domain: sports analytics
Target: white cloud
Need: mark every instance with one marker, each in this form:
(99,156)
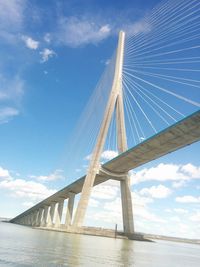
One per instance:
(141,210)
(137,27)
(56,175)
(46,54)
(93,203)
(175,219)
(7,113)
(11,92)
(140,201)
(179,184)
(168,210)
(195,217)
(180,211)
(30,43)
(109,154)
(107,216)
(4,174)
(27,189)
(191,170)
(105,155)
(183,228)
(11,18)
(47,38)
(76,31)
(145,214)
(159,191)
(114,206)
(88,157)
(104,191)
(164,172)
(188,199)
(28,204)
(11,89)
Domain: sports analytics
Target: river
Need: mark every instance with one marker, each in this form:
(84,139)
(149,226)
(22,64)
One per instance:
(22,246)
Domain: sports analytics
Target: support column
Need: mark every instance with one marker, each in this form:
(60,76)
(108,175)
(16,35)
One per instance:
(48,221)
(35,217)
(39,217)
(52,212)
(95,160)
(70,207)
(26,220)
(127,210)
(59,211)
(29,219)
(45,214)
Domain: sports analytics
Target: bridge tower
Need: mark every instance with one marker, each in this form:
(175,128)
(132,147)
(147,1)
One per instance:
(115,102)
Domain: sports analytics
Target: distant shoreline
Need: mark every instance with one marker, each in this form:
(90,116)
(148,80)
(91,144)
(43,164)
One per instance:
(173,239)
(120,234)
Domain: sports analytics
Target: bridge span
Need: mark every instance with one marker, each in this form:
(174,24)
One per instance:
(179,135)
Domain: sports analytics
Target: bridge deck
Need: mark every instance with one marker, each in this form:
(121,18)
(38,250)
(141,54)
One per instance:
(183,133)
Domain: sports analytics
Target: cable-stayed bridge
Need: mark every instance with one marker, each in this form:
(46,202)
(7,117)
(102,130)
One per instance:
(146,104)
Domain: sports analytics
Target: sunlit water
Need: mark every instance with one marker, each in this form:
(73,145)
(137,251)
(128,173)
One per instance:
(22,246)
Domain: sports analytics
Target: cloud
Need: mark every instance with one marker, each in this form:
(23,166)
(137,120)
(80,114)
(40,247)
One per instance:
(105,191)
(7,113)
(165,172)
(140,201)
(180,211)
(4,174)
(93,203)
(11,88)
(26,189)
(28,204)
(195,217)
(137,27)
(179,184)
(191,170)
(47,54)
(11,92)
(11,18)
(140,211)
(56,175)
(105,155)
(30,43)
(47,38)
(109,154)
(159,191)
(188,199)
(76,31)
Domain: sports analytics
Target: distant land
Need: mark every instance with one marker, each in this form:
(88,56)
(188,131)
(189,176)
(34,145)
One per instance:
(2,219)
(171,238)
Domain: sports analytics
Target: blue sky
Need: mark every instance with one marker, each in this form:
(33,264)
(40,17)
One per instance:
(52,55)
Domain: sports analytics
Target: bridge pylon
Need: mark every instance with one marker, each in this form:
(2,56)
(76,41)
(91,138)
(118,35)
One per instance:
(115,102)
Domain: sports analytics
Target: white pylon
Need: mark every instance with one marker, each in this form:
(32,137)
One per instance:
(115,100)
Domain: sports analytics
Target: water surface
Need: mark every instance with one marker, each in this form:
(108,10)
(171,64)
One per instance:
(22,246)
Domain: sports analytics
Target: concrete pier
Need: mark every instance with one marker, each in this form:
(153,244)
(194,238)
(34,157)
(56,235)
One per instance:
(58,213)
(70,207)
(52,213)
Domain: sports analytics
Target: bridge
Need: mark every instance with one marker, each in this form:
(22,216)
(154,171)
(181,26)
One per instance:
(48,213)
